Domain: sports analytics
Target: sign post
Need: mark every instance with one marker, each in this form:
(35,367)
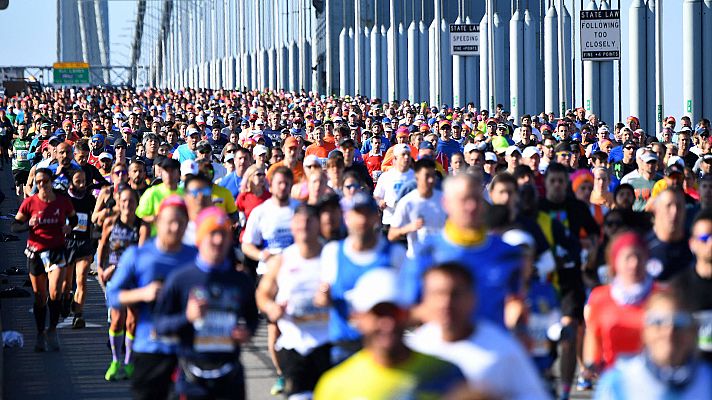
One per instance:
(600,35)
(465,39)
(71,73)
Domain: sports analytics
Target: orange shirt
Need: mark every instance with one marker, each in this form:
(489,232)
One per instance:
(298,171)
(319,151)
(617,327)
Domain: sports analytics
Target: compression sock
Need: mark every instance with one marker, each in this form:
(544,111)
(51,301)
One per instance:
(128,346)
(55,308)
(40,313)
(115,340)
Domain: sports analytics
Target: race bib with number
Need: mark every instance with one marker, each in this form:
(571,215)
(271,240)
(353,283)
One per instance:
(301,306)
(22,155)
(704,334)
(82,222)
(214,334)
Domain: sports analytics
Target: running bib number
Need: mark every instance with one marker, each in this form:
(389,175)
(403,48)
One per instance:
(22,155)
(82,222)
(214,335)
(302,309)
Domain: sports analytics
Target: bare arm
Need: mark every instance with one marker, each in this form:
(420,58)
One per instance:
(267,291)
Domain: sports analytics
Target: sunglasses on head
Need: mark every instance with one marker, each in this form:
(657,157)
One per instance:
(206,191)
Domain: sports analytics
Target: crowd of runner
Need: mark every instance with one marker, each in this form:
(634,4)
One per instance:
(394,250)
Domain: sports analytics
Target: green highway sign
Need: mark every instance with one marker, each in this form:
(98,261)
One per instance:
(71,73)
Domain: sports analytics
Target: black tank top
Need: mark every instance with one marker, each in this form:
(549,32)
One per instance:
(121,237)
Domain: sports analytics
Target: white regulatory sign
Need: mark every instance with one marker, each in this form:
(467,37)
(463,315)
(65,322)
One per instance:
(465,39)
(600,35)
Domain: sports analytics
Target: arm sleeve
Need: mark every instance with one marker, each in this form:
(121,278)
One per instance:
(123,278)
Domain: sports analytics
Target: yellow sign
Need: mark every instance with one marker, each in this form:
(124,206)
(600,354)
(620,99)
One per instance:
(70,65)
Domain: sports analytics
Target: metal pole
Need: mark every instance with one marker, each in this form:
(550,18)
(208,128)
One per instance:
(620,85)
(490,53)
(659,88)
(562,61)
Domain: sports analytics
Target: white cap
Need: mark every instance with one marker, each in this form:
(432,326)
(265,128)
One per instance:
(311,160)
(640,152)
(379,285)
(401,149)
(189,167)
(106,155)
(259,150)
(603,129)
(490,156)
(229,157)
(530,151)
(470,147)
(511,150)
(649,156)
(259,122)
(685,129)
(518,237)
(676,160)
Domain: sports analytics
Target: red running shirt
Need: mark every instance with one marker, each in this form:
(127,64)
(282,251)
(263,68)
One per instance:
(51,218)
(617,327)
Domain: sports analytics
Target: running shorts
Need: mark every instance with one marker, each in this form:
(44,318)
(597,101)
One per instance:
(76,249)
(45,261)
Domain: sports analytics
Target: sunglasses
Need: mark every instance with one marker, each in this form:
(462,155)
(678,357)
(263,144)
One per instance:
(678,320)
(629,148)
(121,172)
(231,151)
(260,174)
(704,238)
(119,148)
(206,191)
(564,154)
(352,186)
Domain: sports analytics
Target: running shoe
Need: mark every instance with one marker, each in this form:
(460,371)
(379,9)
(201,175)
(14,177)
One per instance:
(583,384)
(128,370)
(78,322)
(113,372)
(52,340)
(41,344)
(278,387)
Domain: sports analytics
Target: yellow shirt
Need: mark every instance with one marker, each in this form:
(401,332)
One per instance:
(360,377)
(222,198)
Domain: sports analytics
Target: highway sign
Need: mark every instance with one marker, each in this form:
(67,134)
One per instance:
(600,35)
(465,39)
(71,73)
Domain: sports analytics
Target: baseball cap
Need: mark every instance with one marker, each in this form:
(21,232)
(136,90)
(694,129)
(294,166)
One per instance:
(259,149)
(348,142)
(403,148)
(311,160)
(674,169)
(425,145)
(54,140)
(192,131)
(98,137)
(46,125)
(490,157)
(629,143)
(511,150)
(360,201)
(470,147)
(189,167)
(707,158)
(120,143)
(649,156)
(377,286)
(60,132)
(106,155)
(530,151)
(228,157)
(603,129)
(675,160)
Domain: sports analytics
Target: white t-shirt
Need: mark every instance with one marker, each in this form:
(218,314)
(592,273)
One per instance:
(387,188)
(517,135)
(303,326)
(269,227)
(411,207)
(490,359)
(330,257)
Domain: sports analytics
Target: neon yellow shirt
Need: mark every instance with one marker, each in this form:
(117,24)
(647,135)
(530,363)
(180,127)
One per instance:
(222,198)
(360,377)
(151,200)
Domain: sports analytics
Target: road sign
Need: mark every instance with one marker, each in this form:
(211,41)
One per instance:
(600,35)
(465,39)
(71,73)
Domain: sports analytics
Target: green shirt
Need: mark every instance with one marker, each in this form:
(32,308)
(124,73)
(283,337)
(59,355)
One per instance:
(20,149)
(151,200)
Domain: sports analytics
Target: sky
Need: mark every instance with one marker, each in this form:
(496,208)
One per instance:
(37,46)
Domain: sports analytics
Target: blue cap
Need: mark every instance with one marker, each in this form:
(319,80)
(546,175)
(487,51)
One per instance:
(360,201)
(576,136)
(98,136)
(59,132)
(432,121)
(425,145)
(386,120)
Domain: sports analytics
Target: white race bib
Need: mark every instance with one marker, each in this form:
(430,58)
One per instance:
(214,335)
